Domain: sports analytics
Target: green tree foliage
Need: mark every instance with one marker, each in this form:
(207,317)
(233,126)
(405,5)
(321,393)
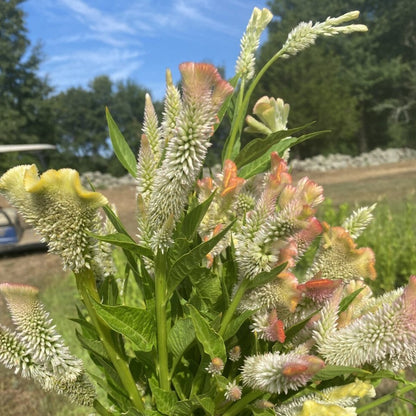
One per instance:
(362,88)
(24,113)
(81,135)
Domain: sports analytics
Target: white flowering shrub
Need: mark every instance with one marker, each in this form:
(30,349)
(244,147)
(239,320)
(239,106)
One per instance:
(223,322)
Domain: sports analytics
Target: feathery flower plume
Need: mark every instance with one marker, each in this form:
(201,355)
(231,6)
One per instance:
(384,337)
(172,109)
(151,128)
(59,208)
(273,114)
(250,42)
(305,34)
(36,332)
(277,373)
(14,355)
(357,222)
(203,93)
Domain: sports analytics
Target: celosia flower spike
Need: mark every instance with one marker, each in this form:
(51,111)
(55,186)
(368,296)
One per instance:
(250,42)
(357,222)
(384,338)
(172,109)
(59,208)
(305,34)
(37,332)
(203,93)
(279,373)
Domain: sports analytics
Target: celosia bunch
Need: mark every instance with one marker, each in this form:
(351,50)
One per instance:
(210,313)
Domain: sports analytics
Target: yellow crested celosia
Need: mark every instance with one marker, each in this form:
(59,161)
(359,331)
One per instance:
(59,208)
(312,408)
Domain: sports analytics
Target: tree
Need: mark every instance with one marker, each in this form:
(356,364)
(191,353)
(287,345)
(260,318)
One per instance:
(24,114)
(361,86)
(81,132)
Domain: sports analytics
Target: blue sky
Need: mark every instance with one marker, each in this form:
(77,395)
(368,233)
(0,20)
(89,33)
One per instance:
(134,39)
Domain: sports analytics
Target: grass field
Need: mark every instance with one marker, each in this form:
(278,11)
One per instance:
(393,189)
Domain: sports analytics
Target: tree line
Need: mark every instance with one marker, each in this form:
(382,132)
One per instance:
(362,88)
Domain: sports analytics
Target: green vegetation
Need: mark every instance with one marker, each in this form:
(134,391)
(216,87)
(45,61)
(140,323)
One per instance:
(362,89)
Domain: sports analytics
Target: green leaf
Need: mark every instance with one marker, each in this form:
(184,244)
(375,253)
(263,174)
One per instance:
(257,147)
(343,305)
(124,241)
(236,323)
(138,325)
(207,286)
(206,403)
(118,225)
(211,342)
(190,261)
(120,146)
(92,345)
(181,336)
(331,371)
(165,400)
(194,217)
(262,163)
(293,330)
(265,277)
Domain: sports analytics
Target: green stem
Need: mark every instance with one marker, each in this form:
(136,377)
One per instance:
(233,306)
(243,108)
(101,409)
(235,127)
(87,288)
(241,405)
(386,398)
(161,321)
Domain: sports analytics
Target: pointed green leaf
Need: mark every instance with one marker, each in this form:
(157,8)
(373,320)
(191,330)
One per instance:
(165,400)
(257,147)
(121,148)
(207,404)
(92,345)
(211,342)
(293,330)
(181,336)
(331,371)
(236,323)
(265,277)
(343,305)
(190,261)
(124,241)
(207,286)
(262,163)
(192,220)
(138,325)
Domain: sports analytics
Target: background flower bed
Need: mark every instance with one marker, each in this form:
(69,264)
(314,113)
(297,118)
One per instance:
(391,185)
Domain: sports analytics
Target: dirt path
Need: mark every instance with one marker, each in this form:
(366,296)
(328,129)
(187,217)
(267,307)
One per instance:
(388,181)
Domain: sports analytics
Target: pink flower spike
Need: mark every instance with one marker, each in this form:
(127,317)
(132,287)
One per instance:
(320,289)
(201,78)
